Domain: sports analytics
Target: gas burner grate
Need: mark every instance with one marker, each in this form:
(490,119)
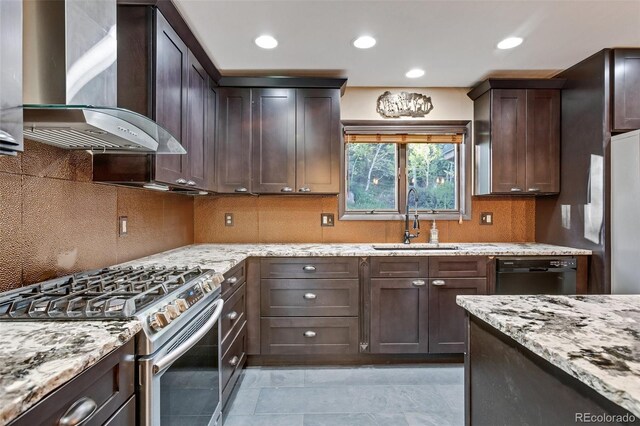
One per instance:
(114,293)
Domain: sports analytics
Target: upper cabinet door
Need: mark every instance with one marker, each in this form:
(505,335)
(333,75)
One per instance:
(274,140)
(318,141)
(196,157)
(171,65)
(211,135)
(543,141)
(234,140)
(10,76)
(508,140)
(626,90)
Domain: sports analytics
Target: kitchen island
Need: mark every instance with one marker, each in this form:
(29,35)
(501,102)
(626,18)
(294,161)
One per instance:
(552,359)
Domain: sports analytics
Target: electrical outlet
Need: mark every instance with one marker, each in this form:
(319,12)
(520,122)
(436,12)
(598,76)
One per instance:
(228,219)
(326,219)
(123,222)
(486,218)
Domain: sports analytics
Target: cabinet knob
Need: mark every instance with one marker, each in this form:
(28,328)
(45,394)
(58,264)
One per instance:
(232,280)
(304,189)
(241,189)
(438,282)
(286,189)
(234,361)
(191,183)
(309,268)
(181,181)
(418,283)
(79,412)
(233,315)
(516,189)
(309,333)
(309,296)
(534,189)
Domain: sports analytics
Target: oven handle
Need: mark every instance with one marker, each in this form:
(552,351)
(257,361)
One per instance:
(166,361)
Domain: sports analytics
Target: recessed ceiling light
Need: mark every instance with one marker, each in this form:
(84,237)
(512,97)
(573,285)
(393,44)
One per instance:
(510,43)
(266,42)
(364,42)
(415,73)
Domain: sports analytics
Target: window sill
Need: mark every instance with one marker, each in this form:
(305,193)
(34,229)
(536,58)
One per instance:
(399,217)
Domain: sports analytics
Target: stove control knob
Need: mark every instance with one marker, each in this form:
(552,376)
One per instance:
(172,311)
(181,304)
(159,320)
(206,286)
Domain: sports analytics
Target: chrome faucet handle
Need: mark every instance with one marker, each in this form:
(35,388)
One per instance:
(416,222)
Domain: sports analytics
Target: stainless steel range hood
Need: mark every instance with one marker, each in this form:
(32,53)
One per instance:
(70,54)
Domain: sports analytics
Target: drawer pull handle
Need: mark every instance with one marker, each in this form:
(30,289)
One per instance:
(304,189)
(438,282)
(234,361)
(309,268)
(309,333)
(418,283)
(79,412)
(286,189)
(232,280)
(242,189)
(516,189)
(233,315)
(534,189)
(309,296)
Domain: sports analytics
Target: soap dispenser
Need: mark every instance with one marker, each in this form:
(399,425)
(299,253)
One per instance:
(433,237)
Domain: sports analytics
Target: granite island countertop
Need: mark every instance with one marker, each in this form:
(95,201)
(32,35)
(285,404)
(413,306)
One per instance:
(594,338)
(222,257)
(36,357)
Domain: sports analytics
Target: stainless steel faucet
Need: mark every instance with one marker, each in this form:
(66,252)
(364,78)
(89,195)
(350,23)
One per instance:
(416,222)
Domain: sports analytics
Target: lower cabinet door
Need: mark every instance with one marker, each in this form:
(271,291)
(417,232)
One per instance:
(399,315)
(309,336)
(447,321)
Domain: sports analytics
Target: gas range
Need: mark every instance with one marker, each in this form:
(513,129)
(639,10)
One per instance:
(157,296)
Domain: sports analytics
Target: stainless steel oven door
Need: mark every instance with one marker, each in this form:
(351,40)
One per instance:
(180,383)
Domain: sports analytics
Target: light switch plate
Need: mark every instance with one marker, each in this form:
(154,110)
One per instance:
(123,225)
(326,219)
(228,219)
(486,218)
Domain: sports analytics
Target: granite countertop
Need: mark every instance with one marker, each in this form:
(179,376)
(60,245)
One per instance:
(594,338)
(222,257)
(36,357)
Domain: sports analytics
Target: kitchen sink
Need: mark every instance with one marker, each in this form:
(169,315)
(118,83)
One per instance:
(422,247)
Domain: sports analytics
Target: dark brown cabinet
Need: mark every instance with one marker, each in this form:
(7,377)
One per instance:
(234,140)
(318,140)
(158,76)
(110,384)
(274,140)
(399,315)
(292,137)
(626,93)
(517,137)
(11,77)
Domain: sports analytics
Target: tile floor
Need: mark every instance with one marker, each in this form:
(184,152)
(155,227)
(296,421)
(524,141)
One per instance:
(350,396)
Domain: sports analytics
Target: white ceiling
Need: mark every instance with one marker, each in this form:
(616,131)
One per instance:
(454,41)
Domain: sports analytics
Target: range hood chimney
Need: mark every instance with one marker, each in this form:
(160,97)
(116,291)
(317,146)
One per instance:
(70,76)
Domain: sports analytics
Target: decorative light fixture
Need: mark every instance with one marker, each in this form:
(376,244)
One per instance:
(510,43)
(415,73)
(266,42)
(364,42)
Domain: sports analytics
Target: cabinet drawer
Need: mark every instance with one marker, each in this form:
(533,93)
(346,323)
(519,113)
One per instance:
(309,298)
(310,267)
(309,336)
(458,266)
(110,383)
(233,360)
(399,267)
(233,316)
(234,278)
(126,415)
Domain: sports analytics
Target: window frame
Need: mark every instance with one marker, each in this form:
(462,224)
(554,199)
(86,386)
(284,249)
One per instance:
(408,127)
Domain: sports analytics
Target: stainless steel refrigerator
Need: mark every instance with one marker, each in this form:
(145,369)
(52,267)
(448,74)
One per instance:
(625,213)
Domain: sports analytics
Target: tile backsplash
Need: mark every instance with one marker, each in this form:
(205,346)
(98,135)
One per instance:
(55,221)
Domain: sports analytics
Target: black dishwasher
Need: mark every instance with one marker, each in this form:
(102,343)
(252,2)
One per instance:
(536,275)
